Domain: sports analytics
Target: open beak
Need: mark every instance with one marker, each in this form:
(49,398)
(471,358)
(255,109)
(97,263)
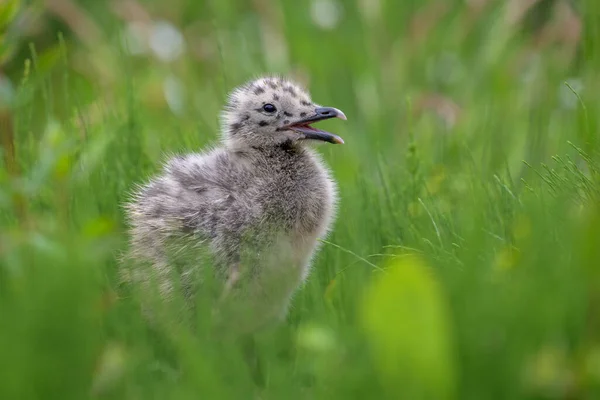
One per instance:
(304,126)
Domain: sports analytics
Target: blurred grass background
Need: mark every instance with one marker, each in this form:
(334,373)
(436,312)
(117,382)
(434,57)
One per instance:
(465,260)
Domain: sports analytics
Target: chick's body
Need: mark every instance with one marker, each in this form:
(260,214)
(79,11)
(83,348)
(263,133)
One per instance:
(259,204)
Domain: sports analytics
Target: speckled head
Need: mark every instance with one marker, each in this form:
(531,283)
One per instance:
(273,111)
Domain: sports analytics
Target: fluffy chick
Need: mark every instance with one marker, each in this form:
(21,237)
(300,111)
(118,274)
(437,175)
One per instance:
(258,204)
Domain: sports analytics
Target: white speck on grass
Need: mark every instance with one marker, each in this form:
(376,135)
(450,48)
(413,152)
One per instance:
(316,338)
(174,93)
(326,13)
(166,41)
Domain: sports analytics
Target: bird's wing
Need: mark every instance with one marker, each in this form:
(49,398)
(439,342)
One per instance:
(198,188)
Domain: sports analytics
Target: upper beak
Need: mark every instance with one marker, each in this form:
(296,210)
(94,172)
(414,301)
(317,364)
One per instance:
(321,113)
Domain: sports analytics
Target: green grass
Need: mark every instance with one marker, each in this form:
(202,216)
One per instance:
(465,259)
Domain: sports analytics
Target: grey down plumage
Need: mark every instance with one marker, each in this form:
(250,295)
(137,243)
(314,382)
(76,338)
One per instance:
(256,206)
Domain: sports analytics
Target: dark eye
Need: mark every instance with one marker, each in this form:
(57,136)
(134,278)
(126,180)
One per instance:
(270,108)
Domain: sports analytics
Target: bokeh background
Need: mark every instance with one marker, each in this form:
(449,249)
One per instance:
(465,260)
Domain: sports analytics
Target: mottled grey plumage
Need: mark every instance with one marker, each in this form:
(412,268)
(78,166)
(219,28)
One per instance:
(259,204)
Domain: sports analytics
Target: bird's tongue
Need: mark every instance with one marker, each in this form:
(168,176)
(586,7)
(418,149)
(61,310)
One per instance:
(317,134)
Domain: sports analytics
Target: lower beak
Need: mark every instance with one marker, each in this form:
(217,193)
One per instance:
(321,113)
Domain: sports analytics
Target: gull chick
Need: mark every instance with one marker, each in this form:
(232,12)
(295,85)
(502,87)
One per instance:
(257,205)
